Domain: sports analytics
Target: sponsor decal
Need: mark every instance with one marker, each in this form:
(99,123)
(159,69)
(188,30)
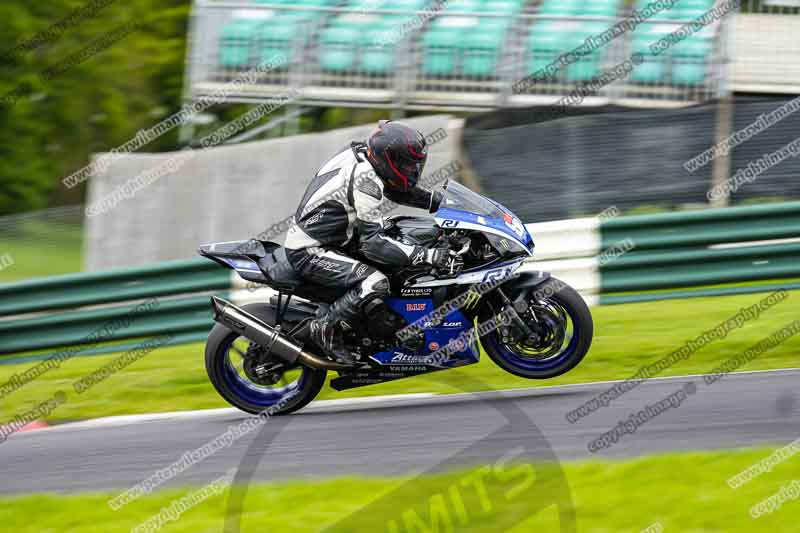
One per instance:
(370,188)
(514,223)
(407,369)
(457,344)
(481,220)
(433,346)
(416,307)
(404,359)
(449,223)
(452,324)
(316,217)
(243,264)
(325,264)
(471,300)
(497,274)
(418,258)
(361,269)
(416,291)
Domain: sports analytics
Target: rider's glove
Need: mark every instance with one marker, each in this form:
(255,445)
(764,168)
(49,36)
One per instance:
(445,261)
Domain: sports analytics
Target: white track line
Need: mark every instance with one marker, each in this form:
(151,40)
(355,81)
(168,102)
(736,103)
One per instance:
(125,420)
(332,405)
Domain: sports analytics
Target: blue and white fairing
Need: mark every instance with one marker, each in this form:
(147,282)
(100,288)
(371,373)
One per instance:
(462,208)
(446,343)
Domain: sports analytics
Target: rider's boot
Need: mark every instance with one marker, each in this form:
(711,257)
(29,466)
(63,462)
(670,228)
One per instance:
(326,330)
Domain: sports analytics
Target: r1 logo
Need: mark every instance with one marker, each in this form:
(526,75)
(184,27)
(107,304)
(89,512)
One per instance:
(449,223)
(497,274)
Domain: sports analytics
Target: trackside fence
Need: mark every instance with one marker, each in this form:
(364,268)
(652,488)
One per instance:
(709,249)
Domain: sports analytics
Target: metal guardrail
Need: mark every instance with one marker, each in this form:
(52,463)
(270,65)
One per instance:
(84,311)
(702,248)
(111,286)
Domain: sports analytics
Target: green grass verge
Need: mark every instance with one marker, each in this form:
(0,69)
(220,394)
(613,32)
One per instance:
(626,337)
(684,492)
(41,249)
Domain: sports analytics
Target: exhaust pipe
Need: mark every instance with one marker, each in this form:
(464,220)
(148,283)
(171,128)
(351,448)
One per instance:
(258,331)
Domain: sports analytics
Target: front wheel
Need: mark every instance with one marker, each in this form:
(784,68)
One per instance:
(559,335)
(252,384)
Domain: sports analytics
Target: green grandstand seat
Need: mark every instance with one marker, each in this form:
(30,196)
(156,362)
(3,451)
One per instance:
(561,7)
(512,7)
(465,6)
(376,58)
(377,61)
(481,51)
(277,37)
(441,51)
(665,14)
(686,14)
(692,5)
(301,15)
(236,42)
(390,22)
(338,48)
(407,5)
(590,65)
(600,8)
(654,68)
(491,24)
(547,40)
(495,24)
(689,59)
(295,17)
(353,20)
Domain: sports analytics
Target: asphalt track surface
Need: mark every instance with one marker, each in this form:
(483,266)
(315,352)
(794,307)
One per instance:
(406,435)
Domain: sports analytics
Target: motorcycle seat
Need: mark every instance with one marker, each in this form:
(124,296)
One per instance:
(276,267)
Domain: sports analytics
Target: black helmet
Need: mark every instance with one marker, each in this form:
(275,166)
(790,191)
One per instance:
(398,154)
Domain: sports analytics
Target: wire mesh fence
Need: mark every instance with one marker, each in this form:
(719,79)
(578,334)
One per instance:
(636,160)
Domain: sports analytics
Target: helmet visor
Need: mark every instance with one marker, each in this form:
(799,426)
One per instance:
(411,165)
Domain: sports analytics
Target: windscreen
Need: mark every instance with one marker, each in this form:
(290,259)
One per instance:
(456,196)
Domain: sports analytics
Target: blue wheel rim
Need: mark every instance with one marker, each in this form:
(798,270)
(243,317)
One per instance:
(532,365)
(254,394)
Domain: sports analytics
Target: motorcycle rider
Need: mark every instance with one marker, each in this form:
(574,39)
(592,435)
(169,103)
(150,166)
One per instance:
(339,216)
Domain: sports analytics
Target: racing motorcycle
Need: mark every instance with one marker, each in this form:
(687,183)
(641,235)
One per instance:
(529,323)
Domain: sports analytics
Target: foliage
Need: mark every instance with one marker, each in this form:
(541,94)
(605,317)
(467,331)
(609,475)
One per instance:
(93,105)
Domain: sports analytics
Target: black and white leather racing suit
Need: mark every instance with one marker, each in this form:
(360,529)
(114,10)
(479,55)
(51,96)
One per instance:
(341,214)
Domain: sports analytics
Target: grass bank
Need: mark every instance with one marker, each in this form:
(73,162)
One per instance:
(681,492)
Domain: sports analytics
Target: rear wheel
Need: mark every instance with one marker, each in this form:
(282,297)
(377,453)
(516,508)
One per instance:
(561,333)
(248,381)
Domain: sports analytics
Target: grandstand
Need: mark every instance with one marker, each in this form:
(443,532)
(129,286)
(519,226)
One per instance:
(453,54)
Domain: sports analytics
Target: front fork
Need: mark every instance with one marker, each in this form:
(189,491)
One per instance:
(525,325)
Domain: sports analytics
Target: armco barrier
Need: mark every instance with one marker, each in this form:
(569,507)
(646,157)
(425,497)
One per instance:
(111,286)
(673,255)
(701,248)
(63,310)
